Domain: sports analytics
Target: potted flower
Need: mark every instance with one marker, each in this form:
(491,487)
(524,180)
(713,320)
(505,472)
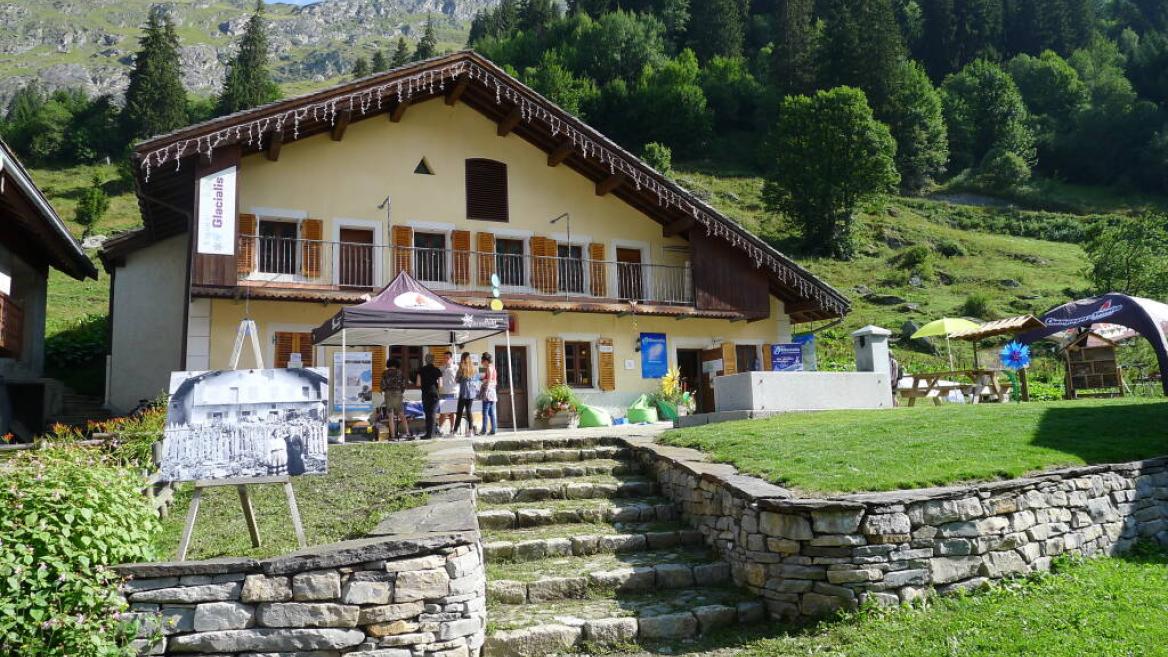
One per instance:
(557,408)
(672,400)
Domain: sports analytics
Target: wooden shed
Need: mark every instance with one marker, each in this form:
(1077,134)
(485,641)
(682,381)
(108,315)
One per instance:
(1092,367)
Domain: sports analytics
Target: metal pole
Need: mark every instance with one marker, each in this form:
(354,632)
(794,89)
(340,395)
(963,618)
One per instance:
(344,373)
(510,383)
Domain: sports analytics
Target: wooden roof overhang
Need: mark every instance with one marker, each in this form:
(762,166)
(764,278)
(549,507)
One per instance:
(31,226)
(165,170)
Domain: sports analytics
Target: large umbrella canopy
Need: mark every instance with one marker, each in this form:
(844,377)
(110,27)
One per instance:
(408,313)
(945,326)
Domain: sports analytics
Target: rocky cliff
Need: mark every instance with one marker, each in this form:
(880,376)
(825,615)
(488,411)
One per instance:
(90,43)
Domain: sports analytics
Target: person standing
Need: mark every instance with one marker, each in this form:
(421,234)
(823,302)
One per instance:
(448,391)
(428,378)
(466,394)
(393,386)
(490,395)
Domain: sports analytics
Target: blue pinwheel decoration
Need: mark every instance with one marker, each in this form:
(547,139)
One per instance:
(1015,356)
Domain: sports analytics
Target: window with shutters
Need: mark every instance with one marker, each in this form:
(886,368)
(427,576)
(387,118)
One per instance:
(578,364)
(411,359)
(277,250)
(430,256)
(486,190)
(290,342)
(509,261)
(571,263)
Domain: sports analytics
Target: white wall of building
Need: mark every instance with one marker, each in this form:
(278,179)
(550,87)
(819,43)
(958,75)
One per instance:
(149,293)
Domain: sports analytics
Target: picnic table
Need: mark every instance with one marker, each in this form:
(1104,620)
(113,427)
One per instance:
(982,385)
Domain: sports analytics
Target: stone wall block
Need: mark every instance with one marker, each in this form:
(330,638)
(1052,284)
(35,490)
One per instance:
(937,512)
(305,614)
(951,569)
(887,528)
(213,616)
(358,592)
(189,594)
(316,585)
(414,585)
(261,588)
(836,521)
(785,525)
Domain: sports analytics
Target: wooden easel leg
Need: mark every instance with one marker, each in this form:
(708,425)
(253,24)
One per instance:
(249,515)
(189,527)
(295,511)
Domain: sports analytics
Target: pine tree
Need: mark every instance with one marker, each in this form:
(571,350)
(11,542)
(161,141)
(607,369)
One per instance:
(428,44)
(716,27)
(401,54)
(156,101)
(248,82)
(378,63)
(535,15)
(360,67)
(861,47)
(793,57)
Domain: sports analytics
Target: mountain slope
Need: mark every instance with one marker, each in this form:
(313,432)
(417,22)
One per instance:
(90,43)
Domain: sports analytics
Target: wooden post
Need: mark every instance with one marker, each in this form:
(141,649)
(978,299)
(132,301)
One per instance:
(1024,384)
(249,514)
(295,511)
(185,541)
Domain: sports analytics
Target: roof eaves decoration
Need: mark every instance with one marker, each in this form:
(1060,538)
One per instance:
(362,98)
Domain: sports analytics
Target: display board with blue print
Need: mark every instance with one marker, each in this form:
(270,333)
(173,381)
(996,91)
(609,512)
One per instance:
(654,356)
(787,357)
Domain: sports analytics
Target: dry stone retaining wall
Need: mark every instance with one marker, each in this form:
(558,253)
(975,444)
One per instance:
(810,557)
(415,587)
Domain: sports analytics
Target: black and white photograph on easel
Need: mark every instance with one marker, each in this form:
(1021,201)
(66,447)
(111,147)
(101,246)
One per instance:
(231,424)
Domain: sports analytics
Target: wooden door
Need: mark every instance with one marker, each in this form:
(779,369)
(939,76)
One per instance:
(712,365)
(629,273)
(355,264)
(519,372)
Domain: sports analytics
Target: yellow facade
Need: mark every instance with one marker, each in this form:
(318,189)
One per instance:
(342,184)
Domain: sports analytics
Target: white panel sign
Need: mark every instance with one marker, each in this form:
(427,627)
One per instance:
(217,213)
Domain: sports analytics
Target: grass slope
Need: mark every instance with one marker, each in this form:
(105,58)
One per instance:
(1094,607)
(847,451)
(365,482)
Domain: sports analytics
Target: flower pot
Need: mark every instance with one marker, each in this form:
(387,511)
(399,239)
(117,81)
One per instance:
(560,420)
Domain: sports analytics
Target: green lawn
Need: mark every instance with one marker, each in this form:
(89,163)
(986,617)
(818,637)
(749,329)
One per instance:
(1114,607)
(848,451)
(365,482)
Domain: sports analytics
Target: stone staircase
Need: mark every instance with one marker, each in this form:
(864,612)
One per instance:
(77,409)
(583,553)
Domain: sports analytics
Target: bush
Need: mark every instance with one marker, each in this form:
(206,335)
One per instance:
(977,304)
(66,518)
(913,258)
(950,248)
(82,343)
(556,398)
(1002,170)
(658,156)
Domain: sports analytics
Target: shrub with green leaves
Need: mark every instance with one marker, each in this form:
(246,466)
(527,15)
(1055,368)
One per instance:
(65,517)
(978,305)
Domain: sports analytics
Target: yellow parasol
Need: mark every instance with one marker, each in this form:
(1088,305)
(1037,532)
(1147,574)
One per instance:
(945,326)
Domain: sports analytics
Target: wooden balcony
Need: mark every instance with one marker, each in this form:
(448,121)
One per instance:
(11,327)
(279,263)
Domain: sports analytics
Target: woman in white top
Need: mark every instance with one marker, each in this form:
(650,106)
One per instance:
(448,389)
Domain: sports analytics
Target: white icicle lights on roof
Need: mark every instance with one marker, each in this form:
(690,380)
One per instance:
(586,142)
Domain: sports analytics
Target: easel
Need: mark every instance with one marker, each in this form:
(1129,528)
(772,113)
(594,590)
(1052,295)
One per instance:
(247,327)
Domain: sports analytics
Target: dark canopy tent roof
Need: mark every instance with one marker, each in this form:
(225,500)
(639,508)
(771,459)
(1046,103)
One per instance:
(407,313)
(1149,318)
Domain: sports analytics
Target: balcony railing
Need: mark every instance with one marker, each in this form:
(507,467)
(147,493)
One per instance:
(279,260)
(11,327)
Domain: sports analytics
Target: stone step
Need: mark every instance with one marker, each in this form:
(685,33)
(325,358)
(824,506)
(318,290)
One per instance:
(517,457)
(566,512)
(523,444)
(580,543)
(567,625)
(557,470)
(593,487)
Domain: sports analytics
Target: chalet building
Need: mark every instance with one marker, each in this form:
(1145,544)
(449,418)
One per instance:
(33,239)
(454,171)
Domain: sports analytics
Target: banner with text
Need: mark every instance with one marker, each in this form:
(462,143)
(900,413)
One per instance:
(217,213)
(786,358)
(355,385)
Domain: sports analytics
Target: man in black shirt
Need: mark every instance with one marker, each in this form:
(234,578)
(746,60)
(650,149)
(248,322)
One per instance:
(428,378)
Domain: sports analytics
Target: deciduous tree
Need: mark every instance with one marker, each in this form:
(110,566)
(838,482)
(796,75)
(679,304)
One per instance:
(917,124)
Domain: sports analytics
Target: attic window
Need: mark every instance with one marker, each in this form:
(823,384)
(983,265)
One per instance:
(423,168)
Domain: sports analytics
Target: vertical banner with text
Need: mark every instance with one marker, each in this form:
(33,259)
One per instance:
(217,213)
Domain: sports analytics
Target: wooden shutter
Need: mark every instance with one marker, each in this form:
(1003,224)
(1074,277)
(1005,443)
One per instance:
(288,343)
(403,242)
(311,232)
(729,358)
(764,359)
(544,266)
(555,361)
(460,245)
(599,279)
(245,257)
(606,360)
(486,190)
(439,352)
(486,249)
(378,366)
